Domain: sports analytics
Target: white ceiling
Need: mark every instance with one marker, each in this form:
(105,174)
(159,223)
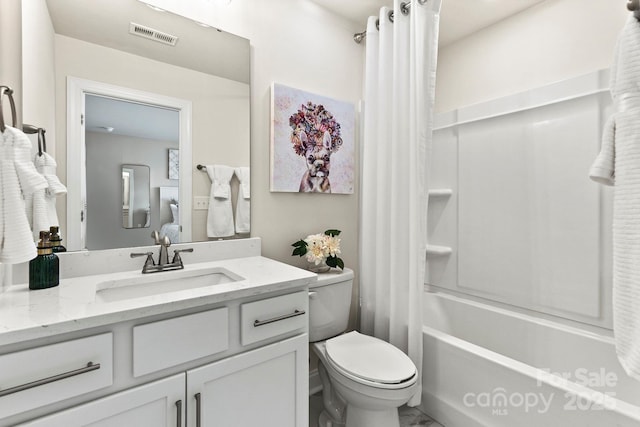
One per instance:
(458,18)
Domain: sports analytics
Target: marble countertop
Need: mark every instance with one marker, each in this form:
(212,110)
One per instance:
(72,306)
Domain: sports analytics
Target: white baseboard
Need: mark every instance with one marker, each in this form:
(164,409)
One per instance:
(315,385)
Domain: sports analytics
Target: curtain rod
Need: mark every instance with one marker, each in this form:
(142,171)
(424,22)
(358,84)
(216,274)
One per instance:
(405,8)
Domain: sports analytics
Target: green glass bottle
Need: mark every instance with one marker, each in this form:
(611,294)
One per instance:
(56,240)
(44,270)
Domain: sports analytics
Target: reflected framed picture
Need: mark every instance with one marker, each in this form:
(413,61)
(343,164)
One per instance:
(312,142)
(174,163)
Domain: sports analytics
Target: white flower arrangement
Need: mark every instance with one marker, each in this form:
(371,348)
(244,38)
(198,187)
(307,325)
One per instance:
(320,248)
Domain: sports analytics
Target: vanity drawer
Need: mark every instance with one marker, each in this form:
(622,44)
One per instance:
(167,343)
(273,316)
(40,376)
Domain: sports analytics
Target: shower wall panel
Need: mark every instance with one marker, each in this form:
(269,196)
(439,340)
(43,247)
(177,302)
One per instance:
(525,222)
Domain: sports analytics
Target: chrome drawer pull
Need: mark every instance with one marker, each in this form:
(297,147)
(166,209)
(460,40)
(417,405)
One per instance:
(279,318)
(90,367)
(179,411)
(198,410)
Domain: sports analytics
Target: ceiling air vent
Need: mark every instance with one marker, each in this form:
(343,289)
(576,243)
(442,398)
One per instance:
(152,34)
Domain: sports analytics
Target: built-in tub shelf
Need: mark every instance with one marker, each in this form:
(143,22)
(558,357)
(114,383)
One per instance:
(440,192)
(435,250)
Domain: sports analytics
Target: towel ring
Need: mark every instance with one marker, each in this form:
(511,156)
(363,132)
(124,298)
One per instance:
(9,92)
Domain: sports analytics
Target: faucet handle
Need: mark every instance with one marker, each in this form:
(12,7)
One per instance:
(149,255)
(138,254)
(148,263)
(176,254)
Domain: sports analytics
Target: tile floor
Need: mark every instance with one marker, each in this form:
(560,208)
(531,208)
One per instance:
(409,417)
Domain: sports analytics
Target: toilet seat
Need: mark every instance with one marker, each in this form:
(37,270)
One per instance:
(370,361)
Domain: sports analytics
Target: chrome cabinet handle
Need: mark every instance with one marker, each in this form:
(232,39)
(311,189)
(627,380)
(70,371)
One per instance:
(90,367)
(179,408)
(279,318)
(198,409)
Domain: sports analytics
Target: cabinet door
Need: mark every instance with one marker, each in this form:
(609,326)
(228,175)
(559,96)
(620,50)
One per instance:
(267,387)
(158,404)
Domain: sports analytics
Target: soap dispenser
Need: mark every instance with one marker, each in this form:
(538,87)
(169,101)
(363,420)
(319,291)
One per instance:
(44,270)
(56,240)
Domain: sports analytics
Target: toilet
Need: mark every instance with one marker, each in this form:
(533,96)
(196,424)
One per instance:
(364,379)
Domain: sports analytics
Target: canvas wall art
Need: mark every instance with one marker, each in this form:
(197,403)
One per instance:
(312,142)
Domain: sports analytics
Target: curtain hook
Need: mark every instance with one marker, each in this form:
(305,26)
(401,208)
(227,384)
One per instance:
(405,6)
(9,92)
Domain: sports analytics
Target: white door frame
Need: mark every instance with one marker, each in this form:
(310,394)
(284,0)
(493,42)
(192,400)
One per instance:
(77,88)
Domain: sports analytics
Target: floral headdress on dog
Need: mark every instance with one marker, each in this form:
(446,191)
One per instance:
(314,120)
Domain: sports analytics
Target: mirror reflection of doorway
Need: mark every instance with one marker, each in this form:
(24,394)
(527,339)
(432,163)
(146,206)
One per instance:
(127,153)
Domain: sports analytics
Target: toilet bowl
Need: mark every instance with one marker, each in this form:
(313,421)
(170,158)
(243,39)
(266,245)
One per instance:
(364,379)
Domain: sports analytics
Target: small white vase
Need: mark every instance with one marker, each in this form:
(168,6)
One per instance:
(319,268)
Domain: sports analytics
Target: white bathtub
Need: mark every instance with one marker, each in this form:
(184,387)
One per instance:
(488,366)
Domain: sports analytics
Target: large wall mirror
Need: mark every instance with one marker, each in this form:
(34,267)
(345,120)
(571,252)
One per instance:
(112,52)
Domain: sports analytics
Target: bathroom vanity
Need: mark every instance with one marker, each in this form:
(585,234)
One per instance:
(223,342)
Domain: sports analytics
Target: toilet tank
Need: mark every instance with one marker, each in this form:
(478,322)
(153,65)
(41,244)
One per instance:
(329,304)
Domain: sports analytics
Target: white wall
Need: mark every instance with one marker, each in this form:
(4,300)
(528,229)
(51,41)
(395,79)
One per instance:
(553,41)
(299,44)
(39,89)
(10,70)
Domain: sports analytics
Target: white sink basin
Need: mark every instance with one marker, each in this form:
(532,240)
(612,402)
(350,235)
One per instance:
(143,285)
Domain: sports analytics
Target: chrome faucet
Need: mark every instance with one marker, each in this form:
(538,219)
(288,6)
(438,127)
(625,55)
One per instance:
(163,264)
(164,242)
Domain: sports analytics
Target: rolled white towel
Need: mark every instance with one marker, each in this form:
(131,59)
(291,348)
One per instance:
(243,204)
(220,215)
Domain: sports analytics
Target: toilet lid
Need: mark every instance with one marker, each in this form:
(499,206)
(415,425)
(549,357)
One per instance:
(370,358)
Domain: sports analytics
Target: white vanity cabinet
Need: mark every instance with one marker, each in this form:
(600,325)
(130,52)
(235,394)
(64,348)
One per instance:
(238,365)
(265,387)
(158,404)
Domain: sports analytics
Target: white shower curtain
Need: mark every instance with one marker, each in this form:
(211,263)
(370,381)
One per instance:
(399,97)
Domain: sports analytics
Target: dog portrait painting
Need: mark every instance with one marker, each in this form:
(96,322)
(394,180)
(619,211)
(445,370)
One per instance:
(312,143)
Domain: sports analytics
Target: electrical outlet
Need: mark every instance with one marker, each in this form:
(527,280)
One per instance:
(201,203)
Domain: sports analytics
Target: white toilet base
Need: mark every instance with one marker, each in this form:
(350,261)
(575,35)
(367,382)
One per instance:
(357,417)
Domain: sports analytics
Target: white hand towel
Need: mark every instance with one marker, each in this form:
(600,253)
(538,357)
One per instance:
(44,213)
(243,204)
(220,215)
(618,164)
(19,176)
